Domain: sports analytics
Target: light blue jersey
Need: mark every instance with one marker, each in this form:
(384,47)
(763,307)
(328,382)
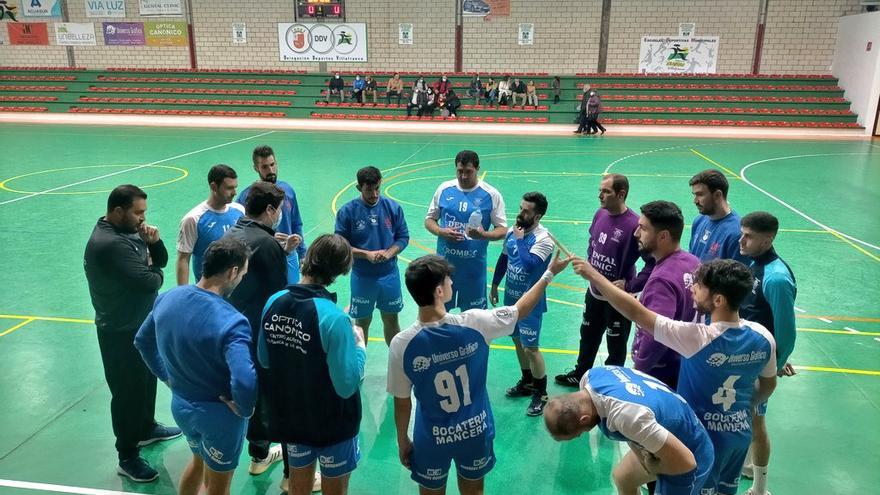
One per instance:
(640,409)
(455,208)
(445,364)
(202,226)
(721,363)
(527,259)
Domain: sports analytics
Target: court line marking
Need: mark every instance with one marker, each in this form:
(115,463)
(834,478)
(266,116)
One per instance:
(16,327)
(850,329)
(500,346)
(834,232)
(713,162)
(641,153)
(29,485)
(132,169)
(4,184)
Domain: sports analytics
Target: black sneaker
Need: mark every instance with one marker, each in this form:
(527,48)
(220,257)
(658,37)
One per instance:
(569,379)
(160,433)
(137,469)
(536,408)
(521,389)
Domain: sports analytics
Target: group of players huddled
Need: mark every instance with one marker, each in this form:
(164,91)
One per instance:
(259,336)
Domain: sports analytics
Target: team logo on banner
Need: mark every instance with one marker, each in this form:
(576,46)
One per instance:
(690,55)
(322,42)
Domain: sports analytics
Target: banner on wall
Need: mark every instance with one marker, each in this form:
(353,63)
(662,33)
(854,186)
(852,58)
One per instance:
(406,34)
(311,42)
(124,33)
(690,55)
(526,34)
(485,8)
(105,8)
(161,7)
(239,33)
(28,33)
(75,34)
(9,10)
(41,8)
(165,33)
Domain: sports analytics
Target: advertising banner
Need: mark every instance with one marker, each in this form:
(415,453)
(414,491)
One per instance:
(312,42)
(675,55)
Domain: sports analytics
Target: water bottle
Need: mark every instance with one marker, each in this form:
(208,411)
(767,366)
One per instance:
(475,221)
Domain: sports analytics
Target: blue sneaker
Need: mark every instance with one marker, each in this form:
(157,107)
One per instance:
(160,433)
(137,469)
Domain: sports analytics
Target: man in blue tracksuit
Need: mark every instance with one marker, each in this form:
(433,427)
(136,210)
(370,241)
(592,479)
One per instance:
(771,303)
(199,345)
(291,220)
(377,231)
(315,363)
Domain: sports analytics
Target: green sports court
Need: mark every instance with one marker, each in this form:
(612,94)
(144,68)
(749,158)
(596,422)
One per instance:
(54,181)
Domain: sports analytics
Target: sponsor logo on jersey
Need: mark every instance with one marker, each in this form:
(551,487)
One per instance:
(421,363)
(688,279)
(603,237)
(634,389)
(706,234)
(360,225)
(617,235)
(717,359)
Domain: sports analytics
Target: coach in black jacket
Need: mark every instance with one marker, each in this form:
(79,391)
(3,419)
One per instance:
(266,275)
(123,262)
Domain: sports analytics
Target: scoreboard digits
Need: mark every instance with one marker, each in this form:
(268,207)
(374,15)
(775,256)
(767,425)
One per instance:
(314,9)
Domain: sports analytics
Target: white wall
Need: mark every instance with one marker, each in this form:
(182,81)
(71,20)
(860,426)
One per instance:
(857,68)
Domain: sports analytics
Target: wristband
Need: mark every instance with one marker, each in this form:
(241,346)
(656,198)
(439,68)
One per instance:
(548,276)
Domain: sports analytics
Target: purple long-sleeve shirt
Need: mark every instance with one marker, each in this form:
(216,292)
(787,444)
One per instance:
(668,293)
(613,250)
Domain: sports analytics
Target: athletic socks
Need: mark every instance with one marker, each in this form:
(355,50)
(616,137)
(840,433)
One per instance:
(760,485)
(540,385)
(527,376)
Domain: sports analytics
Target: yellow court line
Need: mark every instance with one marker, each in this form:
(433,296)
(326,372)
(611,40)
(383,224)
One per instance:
(713,162)
(838,370)
(45,318)
(16,327)
(485,173)
(839,332)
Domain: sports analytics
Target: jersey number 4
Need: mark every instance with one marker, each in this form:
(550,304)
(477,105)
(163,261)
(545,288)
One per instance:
(726,393)
(447,388)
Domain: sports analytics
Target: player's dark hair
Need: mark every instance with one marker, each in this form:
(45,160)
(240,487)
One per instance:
(466,157)
(712,179)
(123,196)
(219,173)
(262,152)
(729,278)
(260,196)
(665,215)
(761,222)
(424,275)
(224,254)
(537,199)
(567,418)
(369,176)
(328,257)
(619,183)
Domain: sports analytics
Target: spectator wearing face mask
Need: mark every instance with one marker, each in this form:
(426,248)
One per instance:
(336,86)
(442,85)
(357,88)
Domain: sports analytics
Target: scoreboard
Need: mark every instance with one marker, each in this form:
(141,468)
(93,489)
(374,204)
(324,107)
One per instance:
(314,9)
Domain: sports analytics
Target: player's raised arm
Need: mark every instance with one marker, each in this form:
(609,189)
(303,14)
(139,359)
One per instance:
(532,297)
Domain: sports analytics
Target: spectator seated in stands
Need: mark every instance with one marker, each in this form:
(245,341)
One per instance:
(504,92)
(518,88)
(475,90)
(432,103)
(394,88)
(420,84)
(531,94)
(418,102)
(491,91)
(453,103)
(357,89)
(336,86)
(442,85)
(370,88)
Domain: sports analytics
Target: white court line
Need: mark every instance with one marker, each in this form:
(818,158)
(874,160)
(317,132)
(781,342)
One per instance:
(742,174)
(138,167)
(27,485)
(799,310)
(627,157)
(853,330)
(826,320)
(877,339)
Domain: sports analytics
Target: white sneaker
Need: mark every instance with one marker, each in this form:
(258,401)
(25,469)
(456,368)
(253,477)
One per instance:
(260,467)
(753,492)
(316,485)
(748,471)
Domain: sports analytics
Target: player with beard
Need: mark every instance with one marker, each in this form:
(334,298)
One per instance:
(715,232)
(291,221)
(199,345)
(524,257)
